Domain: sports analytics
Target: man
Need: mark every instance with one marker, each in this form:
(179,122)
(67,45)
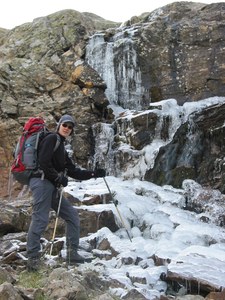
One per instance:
(53,164)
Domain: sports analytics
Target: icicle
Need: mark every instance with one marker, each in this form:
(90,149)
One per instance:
(116,62)
(104,138)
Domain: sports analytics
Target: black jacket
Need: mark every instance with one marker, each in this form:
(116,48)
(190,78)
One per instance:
(53,162)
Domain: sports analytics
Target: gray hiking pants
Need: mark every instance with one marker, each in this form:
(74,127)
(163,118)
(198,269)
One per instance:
(45,197)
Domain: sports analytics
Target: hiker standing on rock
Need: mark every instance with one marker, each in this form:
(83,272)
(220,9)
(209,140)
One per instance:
(44,186)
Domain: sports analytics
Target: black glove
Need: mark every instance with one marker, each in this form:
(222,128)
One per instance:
(99,173)
(61,180)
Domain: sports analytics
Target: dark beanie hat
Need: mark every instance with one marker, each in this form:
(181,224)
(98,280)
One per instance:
(65,119)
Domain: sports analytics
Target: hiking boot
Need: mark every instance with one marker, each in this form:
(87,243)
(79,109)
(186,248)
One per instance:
(74,257)
(33,264)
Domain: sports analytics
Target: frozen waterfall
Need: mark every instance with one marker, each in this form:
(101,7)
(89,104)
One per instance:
(116,62)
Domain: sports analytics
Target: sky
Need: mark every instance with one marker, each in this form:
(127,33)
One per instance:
(14,13)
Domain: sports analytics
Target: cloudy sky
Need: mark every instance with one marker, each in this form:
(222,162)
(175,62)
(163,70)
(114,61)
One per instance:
(14,12)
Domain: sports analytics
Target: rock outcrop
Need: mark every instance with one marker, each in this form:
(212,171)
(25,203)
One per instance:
(81,63)
(97,70)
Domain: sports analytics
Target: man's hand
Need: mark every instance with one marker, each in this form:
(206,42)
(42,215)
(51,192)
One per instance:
(99,173)
(62,180)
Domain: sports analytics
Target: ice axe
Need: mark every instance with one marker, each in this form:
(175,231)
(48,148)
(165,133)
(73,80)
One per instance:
(115,202)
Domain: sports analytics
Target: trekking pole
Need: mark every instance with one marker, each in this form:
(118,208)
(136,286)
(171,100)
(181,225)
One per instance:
(116,203)
(57,216)
(56,220)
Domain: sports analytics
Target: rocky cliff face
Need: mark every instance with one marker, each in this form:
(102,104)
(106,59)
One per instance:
(42,73)
(173,52)
(80,64)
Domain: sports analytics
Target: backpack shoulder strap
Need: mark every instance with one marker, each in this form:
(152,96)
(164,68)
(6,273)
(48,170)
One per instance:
(57,143)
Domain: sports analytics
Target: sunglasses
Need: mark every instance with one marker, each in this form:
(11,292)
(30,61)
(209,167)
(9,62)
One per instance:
(67,126)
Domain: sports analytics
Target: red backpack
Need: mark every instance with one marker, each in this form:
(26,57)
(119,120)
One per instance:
(26,154)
